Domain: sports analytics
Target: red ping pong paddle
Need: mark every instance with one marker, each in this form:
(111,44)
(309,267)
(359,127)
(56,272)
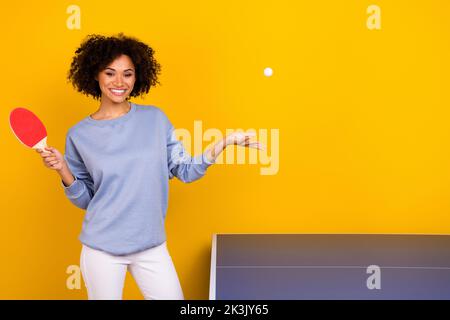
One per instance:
(28,128)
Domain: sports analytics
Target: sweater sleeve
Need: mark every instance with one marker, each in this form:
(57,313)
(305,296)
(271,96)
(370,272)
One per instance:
(181,164)
(81,191)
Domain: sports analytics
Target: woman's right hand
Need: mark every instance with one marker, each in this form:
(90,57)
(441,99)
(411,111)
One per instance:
(52,158)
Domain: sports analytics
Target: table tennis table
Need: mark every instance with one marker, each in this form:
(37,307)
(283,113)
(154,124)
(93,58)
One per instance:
(330,266)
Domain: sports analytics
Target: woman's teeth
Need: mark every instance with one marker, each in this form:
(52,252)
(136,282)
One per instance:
(118,92)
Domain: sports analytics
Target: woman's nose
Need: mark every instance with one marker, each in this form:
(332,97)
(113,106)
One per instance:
(118,81)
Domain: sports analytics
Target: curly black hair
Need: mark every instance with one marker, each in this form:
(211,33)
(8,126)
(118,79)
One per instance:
(96,52)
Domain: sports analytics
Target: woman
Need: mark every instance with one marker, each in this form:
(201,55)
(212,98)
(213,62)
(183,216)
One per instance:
(117,164)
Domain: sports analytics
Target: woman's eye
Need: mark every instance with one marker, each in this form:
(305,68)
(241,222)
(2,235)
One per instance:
(128,75)
(109,74)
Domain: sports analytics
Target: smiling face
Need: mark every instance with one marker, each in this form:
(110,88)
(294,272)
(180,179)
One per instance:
(116,81)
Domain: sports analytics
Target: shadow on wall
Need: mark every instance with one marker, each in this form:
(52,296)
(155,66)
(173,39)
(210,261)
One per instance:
(196,283)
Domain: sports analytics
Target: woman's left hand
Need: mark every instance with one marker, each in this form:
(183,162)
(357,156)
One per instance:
(243,139)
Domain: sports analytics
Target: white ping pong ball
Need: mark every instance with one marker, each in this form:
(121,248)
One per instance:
(268,72)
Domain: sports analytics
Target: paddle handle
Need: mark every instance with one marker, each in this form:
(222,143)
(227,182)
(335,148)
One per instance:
(41,144)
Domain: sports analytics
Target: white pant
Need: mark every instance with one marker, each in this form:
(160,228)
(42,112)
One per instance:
(152,269)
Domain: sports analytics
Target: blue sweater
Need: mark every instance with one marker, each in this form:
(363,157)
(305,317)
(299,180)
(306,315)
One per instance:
(122,168)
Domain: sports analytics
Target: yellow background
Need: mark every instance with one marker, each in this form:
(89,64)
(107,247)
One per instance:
(363,118)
